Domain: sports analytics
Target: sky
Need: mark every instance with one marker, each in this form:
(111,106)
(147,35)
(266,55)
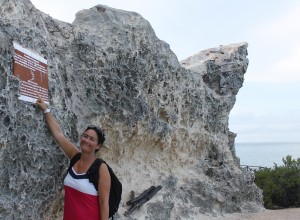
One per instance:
(267,107)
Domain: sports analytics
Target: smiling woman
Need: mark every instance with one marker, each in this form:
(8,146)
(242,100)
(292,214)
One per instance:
(99,133)
(89,139)
(83,200)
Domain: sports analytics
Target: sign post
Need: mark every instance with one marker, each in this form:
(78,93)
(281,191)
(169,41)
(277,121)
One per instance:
(31,69)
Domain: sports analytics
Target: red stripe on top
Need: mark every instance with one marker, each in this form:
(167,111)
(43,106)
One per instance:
(80,206)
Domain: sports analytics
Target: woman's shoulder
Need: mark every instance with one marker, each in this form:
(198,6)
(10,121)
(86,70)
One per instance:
(75,158)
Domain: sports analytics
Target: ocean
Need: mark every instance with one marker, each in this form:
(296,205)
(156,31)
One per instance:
(266,154)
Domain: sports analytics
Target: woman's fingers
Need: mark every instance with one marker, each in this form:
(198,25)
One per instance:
(41,104)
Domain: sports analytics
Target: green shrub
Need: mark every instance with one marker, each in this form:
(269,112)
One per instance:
(280,184)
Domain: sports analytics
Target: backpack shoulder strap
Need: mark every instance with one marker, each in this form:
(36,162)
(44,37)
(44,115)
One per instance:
(74,159)
(115,193)
(93,172)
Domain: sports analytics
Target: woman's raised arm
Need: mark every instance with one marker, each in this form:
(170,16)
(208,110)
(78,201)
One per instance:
(69,149)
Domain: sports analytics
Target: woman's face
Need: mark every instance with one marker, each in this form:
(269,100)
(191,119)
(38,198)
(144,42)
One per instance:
(89,141)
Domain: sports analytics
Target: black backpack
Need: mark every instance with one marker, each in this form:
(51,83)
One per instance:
(93,175)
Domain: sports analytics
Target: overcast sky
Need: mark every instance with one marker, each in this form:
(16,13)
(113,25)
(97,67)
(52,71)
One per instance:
(268,106)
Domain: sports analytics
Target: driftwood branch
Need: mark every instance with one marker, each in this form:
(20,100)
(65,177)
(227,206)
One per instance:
(137,202)
(134,200)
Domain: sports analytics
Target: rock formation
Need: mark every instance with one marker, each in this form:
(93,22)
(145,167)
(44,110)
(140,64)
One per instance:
(166,122)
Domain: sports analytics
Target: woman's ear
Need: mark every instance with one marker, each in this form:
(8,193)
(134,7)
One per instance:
(98,146)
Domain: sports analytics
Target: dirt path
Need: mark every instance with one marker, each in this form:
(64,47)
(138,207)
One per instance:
(282,214)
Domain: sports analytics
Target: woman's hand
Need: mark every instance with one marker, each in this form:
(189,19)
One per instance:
(41,104)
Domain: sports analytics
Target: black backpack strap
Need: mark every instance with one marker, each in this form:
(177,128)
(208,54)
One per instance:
(93,172)
(74,159)
(115,189)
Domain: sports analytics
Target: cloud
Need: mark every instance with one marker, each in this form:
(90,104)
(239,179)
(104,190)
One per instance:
(276,53)
(267,133)
(266,126)
(282,28)
(285,69)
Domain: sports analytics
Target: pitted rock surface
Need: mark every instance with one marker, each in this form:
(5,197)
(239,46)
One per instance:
(166,122)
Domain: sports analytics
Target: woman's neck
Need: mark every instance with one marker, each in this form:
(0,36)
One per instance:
(86,160)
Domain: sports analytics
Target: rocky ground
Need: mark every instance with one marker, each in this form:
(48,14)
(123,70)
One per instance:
(281,214)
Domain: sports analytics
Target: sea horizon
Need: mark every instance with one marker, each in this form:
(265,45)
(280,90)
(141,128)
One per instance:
(266,154)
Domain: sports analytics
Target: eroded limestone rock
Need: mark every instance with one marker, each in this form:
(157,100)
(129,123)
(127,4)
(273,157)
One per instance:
(166,122)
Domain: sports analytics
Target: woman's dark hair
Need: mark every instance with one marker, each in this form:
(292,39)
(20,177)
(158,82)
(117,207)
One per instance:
(100,134)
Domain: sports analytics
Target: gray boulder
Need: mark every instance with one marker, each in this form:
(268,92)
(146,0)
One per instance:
(166,122)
